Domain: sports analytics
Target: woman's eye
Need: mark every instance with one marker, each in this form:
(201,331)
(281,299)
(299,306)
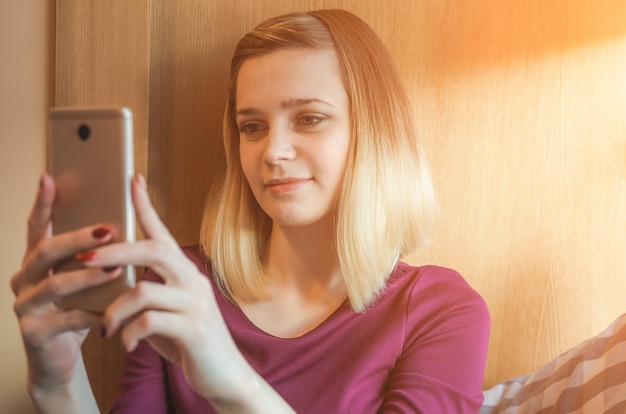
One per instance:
(311,120)
(251,129)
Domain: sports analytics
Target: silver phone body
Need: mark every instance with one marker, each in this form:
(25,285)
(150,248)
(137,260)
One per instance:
(90,157)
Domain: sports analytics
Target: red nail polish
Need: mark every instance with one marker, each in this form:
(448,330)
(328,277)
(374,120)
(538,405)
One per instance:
(110,269)
(101,232)
(85,256)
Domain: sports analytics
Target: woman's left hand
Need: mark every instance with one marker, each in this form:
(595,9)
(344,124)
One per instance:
(180,318)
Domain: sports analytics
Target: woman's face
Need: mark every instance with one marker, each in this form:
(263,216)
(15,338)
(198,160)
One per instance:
(294,128)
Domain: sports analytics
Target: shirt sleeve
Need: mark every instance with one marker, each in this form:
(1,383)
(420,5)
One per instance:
(442,365)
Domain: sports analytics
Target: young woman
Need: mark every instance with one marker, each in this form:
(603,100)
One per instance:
(296,299)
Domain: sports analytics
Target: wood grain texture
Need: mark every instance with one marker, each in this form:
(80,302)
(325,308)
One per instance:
(102,58)
(526,135)
(521,108)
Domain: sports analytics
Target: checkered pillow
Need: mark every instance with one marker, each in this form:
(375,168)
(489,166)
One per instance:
(590,378)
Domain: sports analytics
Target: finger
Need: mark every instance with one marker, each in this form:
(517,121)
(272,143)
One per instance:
(156,325)
(167,261)
(145,295)
(150,323)
(38,329)
(149,220)
(41,212)
(48,252)
(59,286)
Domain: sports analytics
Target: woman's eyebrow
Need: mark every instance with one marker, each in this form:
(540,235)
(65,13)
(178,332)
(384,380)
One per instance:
(247,111)
(291,103)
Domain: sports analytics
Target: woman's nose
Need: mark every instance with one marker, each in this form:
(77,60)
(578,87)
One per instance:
(279,145)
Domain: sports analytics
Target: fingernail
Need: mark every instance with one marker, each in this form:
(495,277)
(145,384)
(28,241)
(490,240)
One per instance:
(142,181)
(101,232)
(110,269)
(41,181)
(85,256)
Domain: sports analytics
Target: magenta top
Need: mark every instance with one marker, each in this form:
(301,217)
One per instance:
(420,348)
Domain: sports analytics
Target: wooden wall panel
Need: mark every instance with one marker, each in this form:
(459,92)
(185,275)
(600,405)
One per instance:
(102,58)
(521,108)
(523,111)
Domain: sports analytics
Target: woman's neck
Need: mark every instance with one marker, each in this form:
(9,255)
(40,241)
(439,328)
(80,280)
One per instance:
(304,258)
(304,280)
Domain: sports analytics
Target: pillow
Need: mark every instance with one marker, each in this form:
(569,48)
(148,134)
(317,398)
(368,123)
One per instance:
(590,378)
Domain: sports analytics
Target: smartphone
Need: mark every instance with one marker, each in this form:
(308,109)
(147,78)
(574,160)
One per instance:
(90,157)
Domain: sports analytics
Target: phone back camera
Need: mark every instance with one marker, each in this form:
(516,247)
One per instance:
(84,132)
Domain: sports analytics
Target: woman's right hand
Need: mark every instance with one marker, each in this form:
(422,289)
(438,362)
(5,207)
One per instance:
(53,337)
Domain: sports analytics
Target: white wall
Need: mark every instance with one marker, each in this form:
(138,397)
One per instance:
(24,85)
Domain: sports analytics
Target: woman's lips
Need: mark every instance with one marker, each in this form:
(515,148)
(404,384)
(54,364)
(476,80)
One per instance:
(285,185)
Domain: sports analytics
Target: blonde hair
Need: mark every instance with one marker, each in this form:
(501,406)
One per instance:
(386,205)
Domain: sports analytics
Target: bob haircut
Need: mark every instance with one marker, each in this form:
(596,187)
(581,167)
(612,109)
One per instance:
(386,205)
